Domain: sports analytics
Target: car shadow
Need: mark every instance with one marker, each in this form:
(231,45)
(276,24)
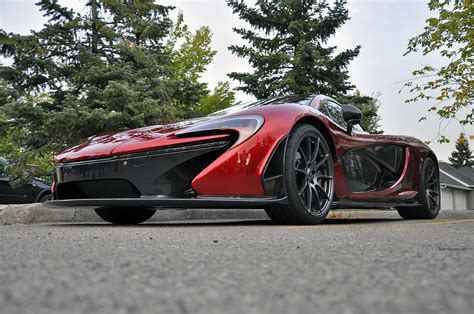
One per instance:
(222,223)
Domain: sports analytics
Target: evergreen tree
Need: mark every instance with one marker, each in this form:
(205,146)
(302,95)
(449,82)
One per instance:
(462,156)
(115,65)
(288,47)
(369,105)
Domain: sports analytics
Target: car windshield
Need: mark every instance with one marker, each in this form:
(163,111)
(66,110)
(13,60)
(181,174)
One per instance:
(303,100)
(237,107)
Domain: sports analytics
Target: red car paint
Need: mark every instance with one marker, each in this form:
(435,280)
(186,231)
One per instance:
(238,171)
(131,141)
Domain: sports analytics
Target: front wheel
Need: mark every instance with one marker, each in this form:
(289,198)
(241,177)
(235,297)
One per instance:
(428,195)
(125,215)
(309,180)
(45,198)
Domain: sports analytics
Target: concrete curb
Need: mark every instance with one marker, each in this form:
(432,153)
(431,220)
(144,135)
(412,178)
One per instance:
(41,213)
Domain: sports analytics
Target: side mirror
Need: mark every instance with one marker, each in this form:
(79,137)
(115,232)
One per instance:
(352,115)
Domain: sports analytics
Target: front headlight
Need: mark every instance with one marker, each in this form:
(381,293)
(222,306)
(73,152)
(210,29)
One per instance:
(246,126)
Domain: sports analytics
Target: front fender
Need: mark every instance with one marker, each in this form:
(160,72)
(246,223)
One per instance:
(239,171)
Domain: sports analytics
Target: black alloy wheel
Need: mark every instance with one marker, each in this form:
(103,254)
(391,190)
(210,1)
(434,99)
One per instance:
(432,187)
(314,174)
(429,195)
(309,179)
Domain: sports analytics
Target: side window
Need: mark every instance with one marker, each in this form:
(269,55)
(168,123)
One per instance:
(334,111)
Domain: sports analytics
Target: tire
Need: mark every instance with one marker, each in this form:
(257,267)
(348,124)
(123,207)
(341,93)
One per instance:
(125,215)
(428,197)
(309,183)
(44,198)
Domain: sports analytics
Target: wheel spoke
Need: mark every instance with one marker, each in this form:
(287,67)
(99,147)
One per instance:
(303,187)
(321,162)
(309,196)
(300,171)
(303,155)
(316,151)
(318,202)
(430,175)
(432,200)
(308,150)
(432,189)
(323,192)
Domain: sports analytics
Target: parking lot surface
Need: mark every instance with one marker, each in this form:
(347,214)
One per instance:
(341,266)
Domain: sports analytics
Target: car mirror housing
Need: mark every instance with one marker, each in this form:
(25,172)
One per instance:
(352,115)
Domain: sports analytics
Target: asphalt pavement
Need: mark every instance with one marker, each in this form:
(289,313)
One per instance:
(343,266)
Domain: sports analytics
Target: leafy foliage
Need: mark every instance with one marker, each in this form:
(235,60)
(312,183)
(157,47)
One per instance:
(462,156)
(190,59)
(189,55)
(288,47)
(115,66)
(221,98)
(450,87)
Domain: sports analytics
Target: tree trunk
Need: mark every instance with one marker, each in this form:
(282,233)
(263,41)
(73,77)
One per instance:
(95,35)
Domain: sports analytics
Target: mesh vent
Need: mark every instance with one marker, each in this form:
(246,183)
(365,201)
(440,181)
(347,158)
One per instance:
(110,188)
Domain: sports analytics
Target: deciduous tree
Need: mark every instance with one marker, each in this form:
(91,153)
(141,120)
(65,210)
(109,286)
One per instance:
(221,98)
(449,88)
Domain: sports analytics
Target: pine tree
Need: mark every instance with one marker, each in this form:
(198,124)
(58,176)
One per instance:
(369,105)
(109,67)
(288,47)
(462,156)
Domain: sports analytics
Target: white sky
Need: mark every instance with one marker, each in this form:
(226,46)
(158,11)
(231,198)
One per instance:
(381,27)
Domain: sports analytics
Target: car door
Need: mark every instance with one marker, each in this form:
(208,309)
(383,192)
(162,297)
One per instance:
(370,164)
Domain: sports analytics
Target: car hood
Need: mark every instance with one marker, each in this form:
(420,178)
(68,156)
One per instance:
(152,137)
(142,139)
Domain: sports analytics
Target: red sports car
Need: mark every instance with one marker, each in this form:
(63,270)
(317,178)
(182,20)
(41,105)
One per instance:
(296,156)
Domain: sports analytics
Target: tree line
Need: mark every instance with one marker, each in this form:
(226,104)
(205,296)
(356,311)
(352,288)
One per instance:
(121,64)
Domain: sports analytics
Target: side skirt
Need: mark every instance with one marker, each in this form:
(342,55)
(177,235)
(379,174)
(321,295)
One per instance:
(347,203)
(166,202)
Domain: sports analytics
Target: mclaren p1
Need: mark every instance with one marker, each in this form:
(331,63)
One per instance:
(297,157)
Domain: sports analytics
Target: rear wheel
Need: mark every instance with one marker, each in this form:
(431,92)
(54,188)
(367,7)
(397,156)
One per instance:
(428,196)
(309,179)
(125,215)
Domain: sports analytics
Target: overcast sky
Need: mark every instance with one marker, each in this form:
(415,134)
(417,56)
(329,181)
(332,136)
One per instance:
(381,27)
